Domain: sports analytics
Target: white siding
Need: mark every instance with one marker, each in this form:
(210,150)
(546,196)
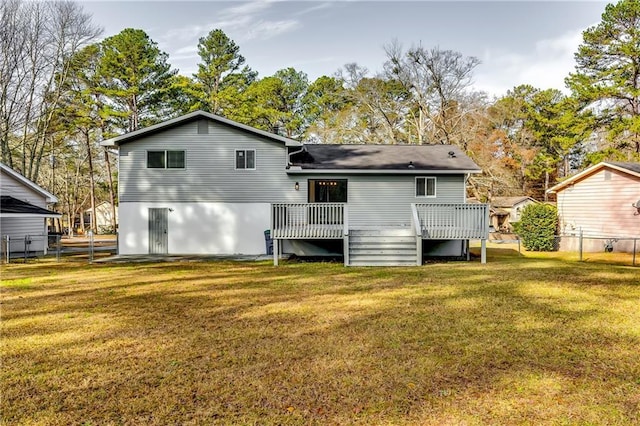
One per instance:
(198,228)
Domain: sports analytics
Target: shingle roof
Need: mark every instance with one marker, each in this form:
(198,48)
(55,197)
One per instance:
(633,167)
(405,158)
(12,205)
(508,201)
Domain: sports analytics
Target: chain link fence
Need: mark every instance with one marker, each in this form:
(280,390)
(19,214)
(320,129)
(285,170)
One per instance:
(622,250)
(23,248)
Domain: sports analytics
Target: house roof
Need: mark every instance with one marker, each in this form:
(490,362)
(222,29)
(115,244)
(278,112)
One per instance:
(12,207)
(50,198)
(499,212)
(632,169)
(404,159)
(131,136)
(506,202)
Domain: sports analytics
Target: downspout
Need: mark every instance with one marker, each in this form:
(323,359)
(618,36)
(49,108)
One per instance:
(467,176)
(302,149)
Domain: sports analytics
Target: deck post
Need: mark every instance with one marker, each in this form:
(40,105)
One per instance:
(483,251)
(346,249)
(345,233)
(276,252)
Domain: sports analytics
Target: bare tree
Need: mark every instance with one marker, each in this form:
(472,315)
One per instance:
(378,105)
(37,40)
(438,81)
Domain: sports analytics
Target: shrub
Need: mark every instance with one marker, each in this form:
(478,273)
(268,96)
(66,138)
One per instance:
(537,227)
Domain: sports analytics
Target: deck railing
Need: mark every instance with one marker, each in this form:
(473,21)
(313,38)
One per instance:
(453,221)
(308,220)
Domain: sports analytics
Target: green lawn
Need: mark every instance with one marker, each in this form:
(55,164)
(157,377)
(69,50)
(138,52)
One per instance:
(520,340)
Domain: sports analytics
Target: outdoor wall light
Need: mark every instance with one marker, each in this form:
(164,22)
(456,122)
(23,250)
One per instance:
(296,186)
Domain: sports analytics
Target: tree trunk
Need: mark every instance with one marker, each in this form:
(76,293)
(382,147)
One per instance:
(546,184)
(92,184)
(69,210)
(112,196)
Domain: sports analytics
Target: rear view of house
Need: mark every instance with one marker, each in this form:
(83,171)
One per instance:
(23,212)
(203,184)
(602,201)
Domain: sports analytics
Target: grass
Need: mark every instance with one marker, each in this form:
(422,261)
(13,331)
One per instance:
(531,339)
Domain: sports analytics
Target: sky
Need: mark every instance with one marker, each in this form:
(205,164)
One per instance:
(517,42)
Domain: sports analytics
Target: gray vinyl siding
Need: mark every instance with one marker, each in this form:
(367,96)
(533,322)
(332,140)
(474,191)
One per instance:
(209,174)
(19,190)
(386,199)
(19,227)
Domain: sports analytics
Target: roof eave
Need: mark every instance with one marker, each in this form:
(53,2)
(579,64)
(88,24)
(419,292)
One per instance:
(49,197)
(42,215)
(575,178)
(118,140)
(293,170)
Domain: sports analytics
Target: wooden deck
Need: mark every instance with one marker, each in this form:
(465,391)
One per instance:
(436,221)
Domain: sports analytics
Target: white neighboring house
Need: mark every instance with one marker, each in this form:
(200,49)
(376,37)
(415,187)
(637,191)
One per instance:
(23,212)
(507,210)
(104,215)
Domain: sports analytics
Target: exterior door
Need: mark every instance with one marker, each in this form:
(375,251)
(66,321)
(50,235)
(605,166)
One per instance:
(158,228)
(327,191)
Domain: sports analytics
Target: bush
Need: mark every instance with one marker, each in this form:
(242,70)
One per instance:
(537,227)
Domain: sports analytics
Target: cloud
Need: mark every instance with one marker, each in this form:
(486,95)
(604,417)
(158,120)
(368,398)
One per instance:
(314,8)
(249,20)
(268,29)
(250,8)
(544,67)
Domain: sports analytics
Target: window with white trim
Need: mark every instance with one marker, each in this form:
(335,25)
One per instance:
(165,159)
(246,159)
(425,187)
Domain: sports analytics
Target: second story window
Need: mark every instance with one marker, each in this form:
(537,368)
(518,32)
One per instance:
(426,187)
(246,159)
(165,159)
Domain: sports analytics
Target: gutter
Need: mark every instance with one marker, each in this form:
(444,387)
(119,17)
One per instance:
(379,171)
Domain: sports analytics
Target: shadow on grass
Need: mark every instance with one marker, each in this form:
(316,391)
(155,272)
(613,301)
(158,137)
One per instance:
(517,341)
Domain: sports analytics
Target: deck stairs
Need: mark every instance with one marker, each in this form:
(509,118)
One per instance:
(382,247)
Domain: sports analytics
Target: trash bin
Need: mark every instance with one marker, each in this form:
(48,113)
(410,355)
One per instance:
(268,241)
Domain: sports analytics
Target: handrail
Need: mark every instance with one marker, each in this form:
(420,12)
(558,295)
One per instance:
(440,221)
(308,220)
(417,227)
